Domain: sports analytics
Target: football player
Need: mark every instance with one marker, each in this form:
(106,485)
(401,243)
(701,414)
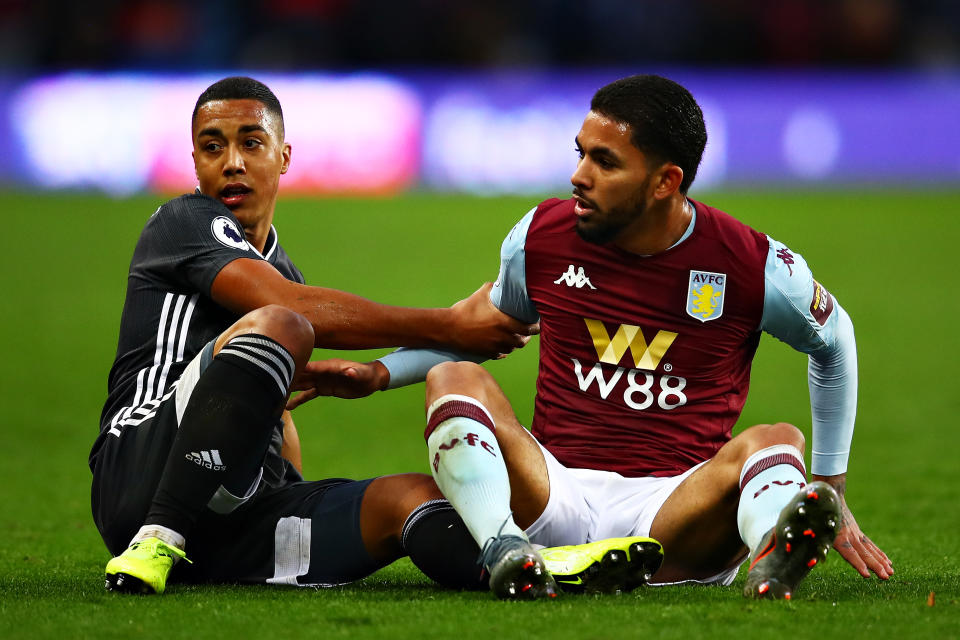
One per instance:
(651,307)
(195,446)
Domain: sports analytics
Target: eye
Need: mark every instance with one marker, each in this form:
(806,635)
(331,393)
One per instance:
(251,143)
(211,147)
(579,152)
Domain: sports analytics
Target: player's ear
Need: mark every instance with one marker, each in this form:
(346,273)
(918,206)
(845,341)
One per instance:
(285,153)
(193,156)
(667,180)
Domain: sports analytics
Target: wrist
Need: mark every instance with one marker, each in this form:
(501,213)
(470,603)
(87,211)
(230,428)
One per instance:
(838,482)
(381,376)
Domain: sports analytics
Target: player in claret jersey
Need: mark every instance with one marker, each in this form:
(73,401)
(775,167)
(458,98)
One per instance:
(651,307)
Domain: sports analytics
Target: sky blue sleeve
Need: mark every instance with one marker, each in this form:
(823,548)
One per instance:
(802,313)
(509,294)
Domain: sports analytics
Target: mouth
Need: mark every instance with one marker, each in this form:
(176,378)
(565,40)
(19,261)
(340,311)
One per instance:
(583,206)
(234,194)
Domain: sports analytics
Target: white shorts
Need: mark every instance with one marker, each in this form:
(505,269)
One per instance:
(588,504)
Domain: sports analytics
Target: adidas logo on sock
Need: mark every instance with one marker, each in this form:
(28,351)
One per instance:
(207,459)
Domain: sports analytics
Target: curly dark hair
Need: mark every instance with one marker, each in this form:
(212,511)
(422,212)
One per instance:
(665,121)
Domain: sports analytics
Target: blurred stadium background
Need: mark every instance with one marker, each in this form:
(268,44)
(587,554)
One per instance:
(480,96)
(834,125)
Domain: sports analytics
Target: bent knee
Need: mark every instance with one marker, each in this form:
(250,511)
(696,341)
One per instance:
(762,436)
(287,327)
(463,373)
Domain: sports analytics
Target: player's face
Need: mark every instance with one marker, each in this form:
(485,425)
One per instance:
(239,155)
(612,182)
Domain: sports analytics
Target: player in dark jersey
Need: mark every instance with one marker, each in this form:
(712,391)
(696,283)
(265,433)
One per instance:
(651,307)
(217,326)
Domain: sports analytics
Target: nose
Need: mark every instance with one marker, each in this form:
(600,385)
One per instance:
(233,162)
(581,175)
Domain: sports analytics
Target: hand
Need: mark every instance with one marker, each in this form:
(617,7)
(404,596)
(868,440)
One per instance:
(339,378)
(851,543)
(479,327)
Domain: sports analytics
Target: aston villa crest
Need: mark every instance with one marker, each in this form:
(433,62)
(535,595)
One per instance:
(705,295)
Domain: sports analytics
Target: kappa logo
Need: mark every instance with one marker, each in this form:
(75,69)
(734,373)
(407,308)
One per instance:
(226,232)
(207,459)
(787,258)
(628,336)
(576,278)
(705,294)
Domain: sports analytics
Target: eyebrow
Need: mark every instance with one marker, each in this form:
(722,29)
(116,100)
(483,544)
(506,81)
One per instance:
(210,131)
(598,151)
(214,131)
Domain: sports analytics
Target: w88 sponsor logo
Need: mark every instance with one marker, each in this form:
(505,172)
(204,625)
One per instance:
(642,389)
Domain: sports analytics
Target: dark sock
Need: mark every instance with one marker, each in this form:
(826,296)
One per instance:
(440,545)
(225,429)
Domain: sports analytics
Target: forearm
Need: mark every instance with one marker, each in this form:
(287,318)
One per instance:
(291,443)
(409,366)
(833,399)
(343,320)
(340,320)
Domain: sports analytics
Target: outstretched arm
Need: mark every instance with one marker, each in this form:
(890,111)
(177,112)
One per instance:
(346,321)
(508,296)
(802,313)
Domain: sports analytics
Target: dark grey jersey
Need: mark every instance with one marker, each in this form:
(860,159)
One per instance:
(168,315)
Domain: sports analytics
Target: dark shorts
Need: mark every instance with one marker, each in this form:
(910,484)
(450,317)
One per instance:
(279,529)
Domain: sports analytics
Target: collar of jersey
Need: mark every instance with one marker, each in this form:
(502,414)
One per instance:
(686,234)
(272,238)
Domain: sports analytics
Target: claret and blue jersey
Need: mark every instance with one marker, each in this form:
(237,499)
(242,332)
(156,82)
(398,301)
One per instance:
(645,360)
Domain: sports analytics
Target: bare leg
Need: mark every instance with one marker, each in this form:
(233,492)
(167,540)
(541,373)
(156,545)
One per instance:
(387,503)
(406,515)
(697,525)
(493,474)
(529,482)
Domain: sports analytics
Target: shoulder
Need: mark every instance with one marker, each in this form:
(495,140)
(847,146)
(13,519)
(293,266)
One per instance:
(554,207)
(187,212)
(198,217)
(735,237)
(553,215)
(191,204)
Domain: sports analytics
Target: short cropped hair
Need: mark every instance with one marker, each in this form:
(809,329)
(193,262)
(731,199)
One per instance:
(666,122)
(240,88)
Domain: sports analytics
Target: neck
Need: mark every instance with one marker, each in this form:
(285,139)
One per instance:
(257,235)
(658,228)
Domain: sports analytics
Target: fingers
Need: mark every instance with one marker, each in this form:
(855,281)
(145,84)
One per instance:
(301,398)
(882,565)
(863,555)
(852,556)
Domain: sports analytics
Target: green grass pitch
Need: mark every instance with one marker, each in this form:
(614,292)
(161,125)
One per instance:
(889,257)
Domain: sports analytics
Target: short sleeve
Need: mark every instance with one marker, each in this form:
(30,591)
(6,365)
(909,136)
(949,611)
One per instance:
(189,240)
(509,292)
